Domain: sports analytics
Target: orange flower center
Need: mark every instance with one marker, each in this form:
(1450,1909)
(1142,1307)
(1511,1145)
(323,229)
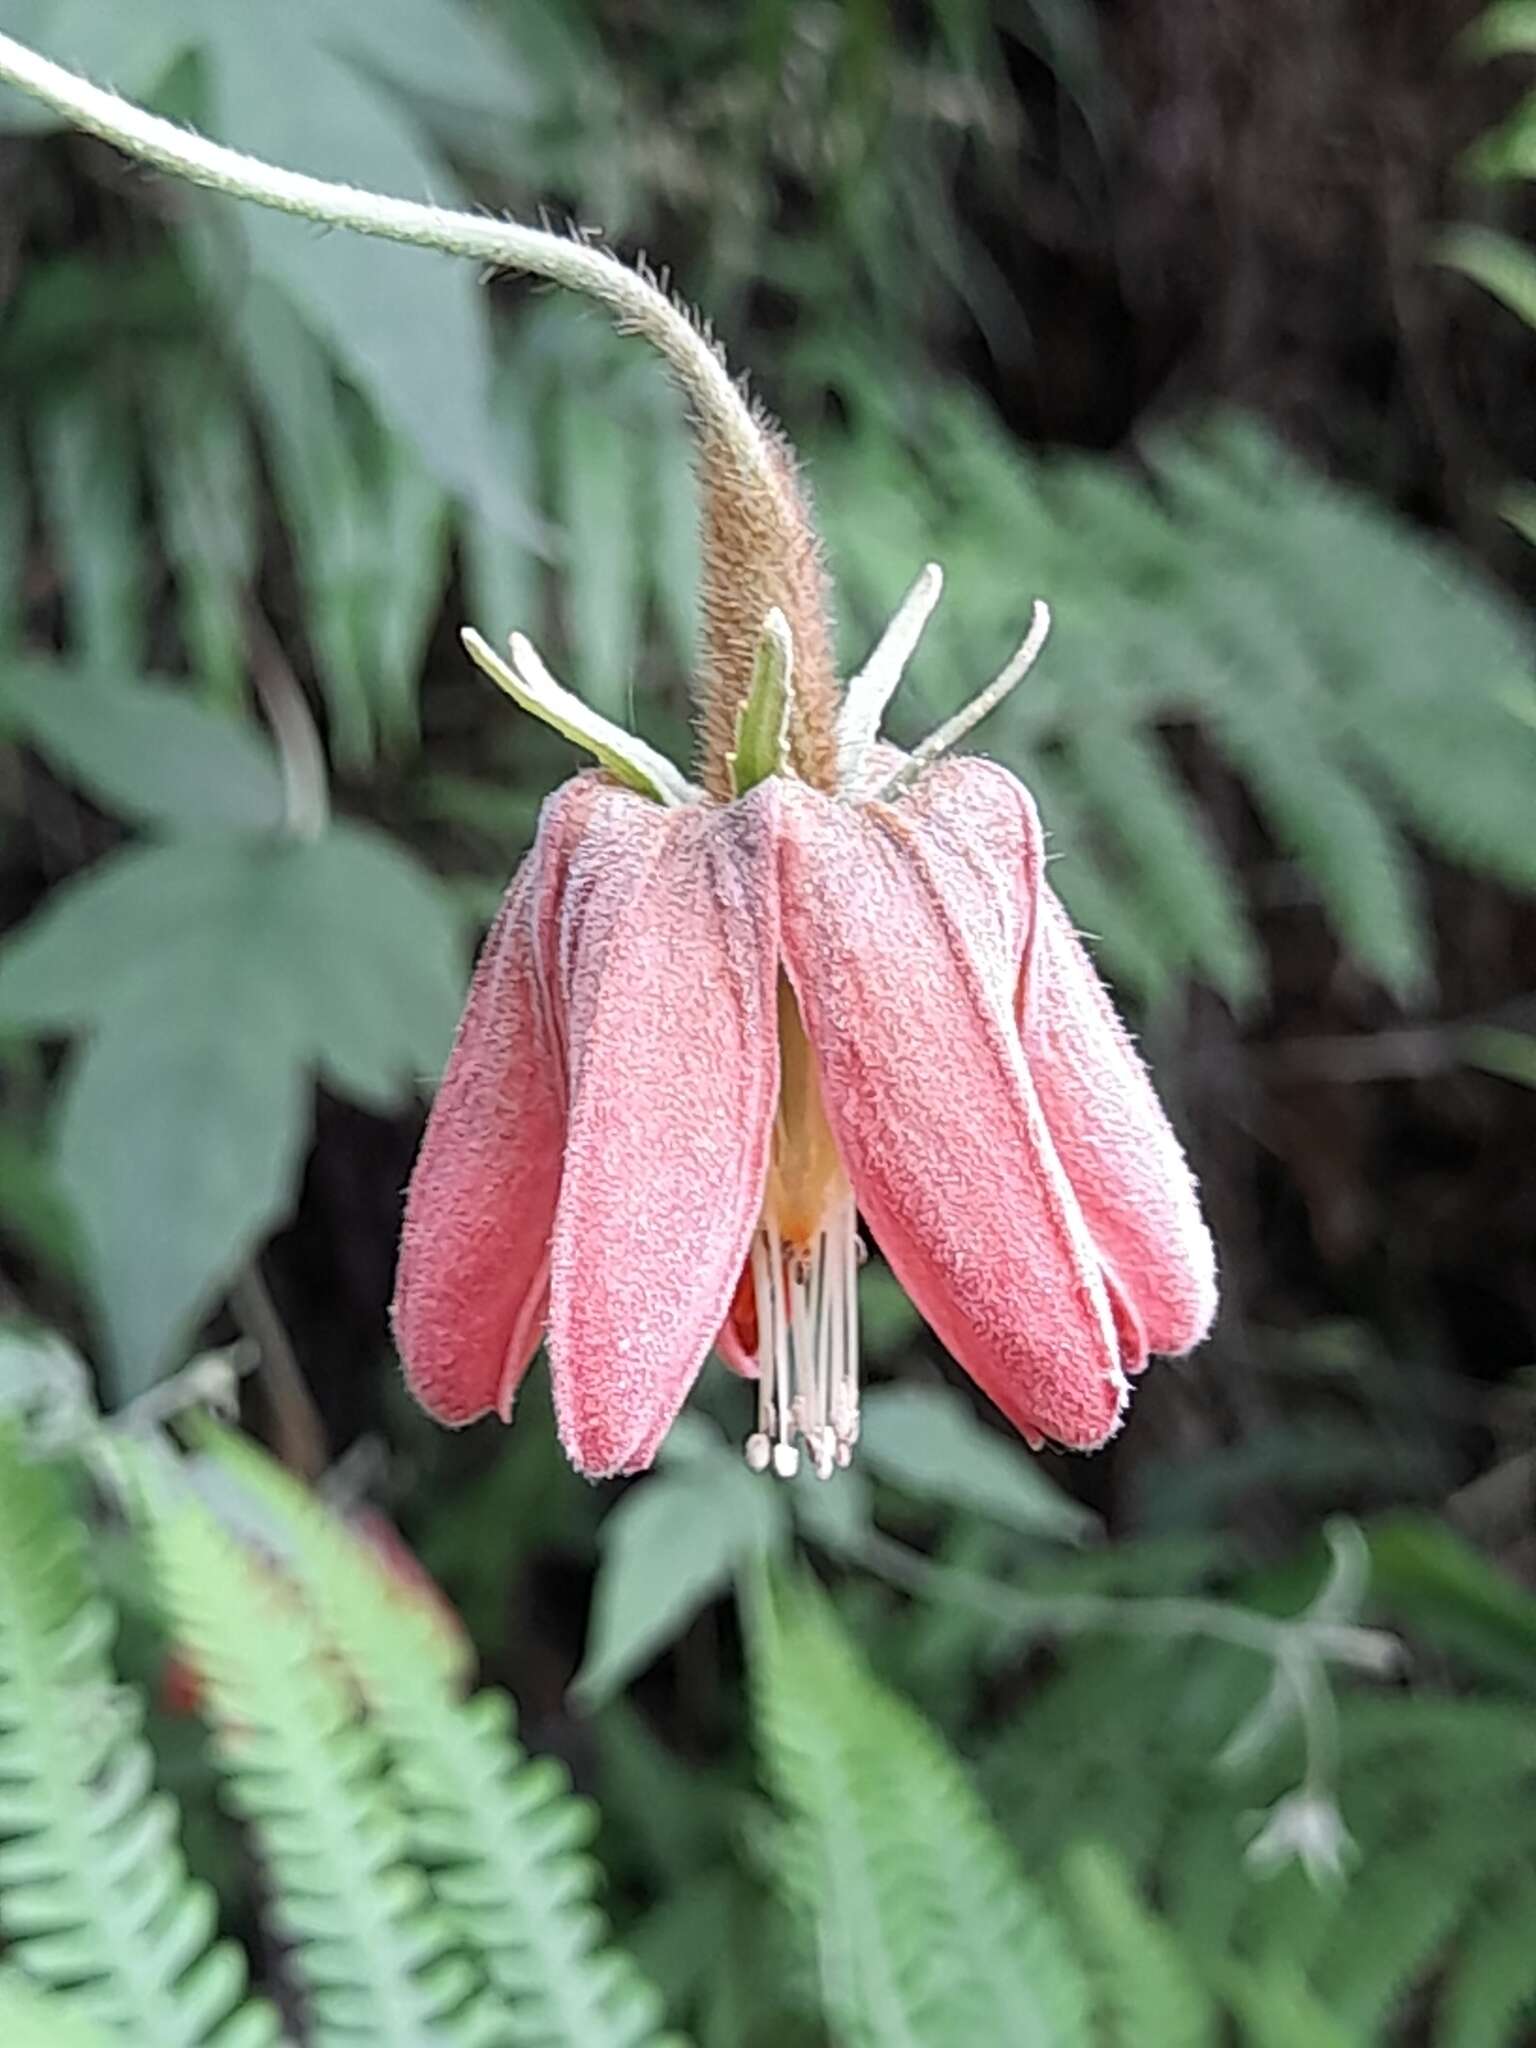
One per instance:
(804,1270)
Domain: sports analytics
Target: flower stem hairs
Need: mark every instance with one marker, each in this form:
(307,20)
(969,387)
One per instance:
(722,1019)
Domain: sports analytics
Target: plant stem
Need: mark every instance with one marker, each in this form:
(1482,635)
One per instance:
(1076,1613)
(639,304)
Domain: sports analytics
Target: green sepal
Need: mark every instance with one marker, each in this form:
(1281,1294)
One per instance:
(531,686)
(762,724)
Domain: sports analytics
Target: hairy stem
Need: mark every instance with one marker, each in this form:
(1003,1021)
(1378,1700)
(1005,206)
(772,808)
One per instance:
(639,305)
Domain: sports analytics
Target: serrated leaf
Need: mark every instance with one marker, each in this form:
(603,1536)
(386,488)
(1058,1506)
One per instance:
(1334,823)
(95,1899)
(1159,830)
(672,1544)
(927,1441)
(146,750)
(1152,1995)
(216,977)
(925,1932)
(502,1834)
(368,1940)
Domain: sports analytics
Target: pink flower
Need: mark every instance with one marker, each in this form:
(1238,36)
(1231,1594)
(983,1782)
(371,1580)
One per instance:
(706,1033)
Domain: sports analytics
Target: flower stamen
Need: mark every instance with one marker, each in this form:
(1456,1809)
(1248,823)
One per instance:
(808,1346)
(805,1275)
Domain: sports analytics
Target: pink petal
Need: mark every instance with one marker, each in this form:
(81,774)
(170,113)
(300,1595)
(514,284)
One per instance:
(669,949)
(472,1283)
(904,927)
(1118,1148)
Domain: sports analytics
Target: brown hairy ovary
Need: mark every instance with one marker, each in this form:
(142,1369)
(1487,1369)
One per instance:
(760,550)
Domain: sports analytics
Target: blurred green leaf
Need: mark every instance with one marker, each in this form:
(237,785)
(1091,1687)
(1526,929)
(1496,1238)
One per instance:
(672,1544)
(1505,29)
(33,1208)
(1435,1584)
(503,571)
(44,1380)
(180,1139)
(216,977)
(145,750)
(84,447)
(600,508)
(205,482)
(441,49)
(13,538)
(1490,1985)
(1155,2000)
(1499,264)
(1279,2009)
(33,2018)
(1518,506)
(1511,1054)
(409,325)
(1508,151)
(927,1441)
(669,518)
(128,48)
(308,441)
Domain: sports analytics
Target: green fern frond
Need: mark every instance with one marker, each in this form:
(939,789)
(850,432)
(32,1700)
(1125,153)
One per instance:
(1183,880)
(1151,1995)
(925,1931)
(1489,1997)
(501,1836)
(377,1958)
(94,1895)
(1366,689)
(30,2018)
(1276,2008)
(1398,1925)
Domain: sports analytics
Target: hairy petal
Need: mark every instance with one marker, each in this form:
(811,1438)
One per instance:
(669,953)
(1125,1164)
(472,1283)
(904,928)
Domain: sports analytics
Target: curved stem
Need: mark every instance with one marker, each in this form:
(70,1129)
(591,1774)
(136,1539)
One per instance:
(1108,1613)
(640,305)
(306,788)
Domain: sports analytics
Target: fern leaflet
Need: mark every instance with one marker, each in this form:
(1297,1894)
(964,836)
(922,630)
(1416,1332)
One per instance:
(94,1894)
(926,1933)
(501,1835)
(377,1959)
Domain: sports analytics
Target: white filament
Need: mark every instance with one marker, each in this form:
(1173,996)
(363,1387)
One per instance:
(807,1348)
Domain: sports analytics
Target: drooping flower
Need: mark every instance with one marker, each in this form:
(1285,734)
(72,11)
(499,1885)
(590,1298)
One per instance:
(711,1029)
